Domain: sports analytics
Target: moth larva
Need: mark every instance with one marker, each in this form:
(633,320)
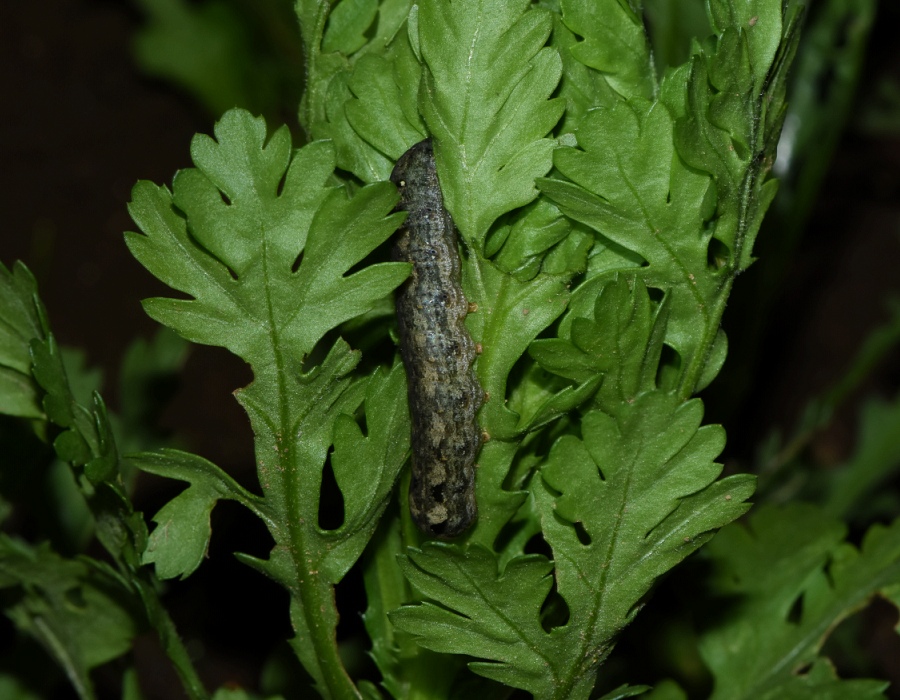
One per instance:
(437,351)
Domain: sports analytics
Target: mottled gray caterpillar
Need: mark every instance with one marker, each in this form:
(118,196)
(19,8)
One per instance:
(437,351)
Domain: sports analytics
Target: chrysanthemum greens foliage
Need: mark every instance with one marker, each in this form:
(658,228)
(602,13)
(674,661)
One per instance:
(599,259)
(605,211)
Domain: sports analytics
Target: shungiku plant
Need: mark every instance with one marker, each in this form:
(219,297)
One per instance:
(604,209)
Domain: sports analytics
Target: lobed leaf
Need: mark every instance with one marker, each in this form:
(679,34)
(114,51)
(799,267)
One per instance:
(613,43)
(484,97)
(790,579)
(82,614)
(271,254)
(483,612)
(20,321)
(619,508)
(630,187)
(179,543)
(250,210)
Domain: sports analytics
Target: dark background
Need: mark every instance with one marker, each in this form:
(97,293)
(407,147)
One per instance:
(81,124)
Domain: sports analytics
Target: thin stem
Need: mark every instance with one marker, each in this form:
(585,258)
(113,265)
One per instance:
(171,641)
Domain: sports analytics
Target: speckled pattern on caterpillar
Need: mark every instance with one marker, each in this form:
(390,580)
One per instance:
(438,353)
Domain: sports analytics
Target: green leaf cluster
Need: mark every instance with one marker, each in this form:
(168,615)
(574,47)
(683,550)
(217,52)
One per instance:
(607,193)
(599,260)
(84,612)
(791,578)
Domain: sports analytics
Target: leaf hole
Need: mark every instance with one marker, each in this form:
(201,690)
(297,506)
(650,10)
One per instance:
(795,614)
(656,295)
(538,545)
(331,500)
(581,533)
(225,198)
(297,262)
(803,670)
(669,369)
(717,254)
(554,611)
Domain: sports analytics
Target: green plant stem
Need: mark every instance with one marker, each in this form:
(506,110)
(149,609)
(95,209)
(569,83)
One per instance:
(313,590)
(692,375)
(171,641)
(312,106)
(317,596)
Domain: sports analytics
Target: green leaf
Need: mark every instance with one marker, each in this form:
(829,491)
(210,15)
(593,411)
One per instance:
(81,614)
(252,209)
(630,501)
(402,663)
(366,467)
(625,691)
(614,43)
(264,246)
(88,444)
(383,111)
(179,543)
(734,111)
(634,191)
(484,97)
(510,315)
(352,152)
(481,612)
(672,26)
(296,419)
(667,690)
(527,240)
(612,329)
(851,486)
(582,88)
(791,579)
(822,682)
(20,322)
(347,25)
(760,22)
(13,687)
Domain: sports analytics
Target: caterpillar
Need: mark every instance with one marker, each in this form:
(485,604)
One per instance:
(437,353)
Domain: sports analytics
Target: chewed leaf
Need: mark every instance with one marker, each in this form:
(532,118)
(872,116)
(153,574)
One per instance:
(627,502)
(178,544)
(484,613)
(78,610)
(792,579)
